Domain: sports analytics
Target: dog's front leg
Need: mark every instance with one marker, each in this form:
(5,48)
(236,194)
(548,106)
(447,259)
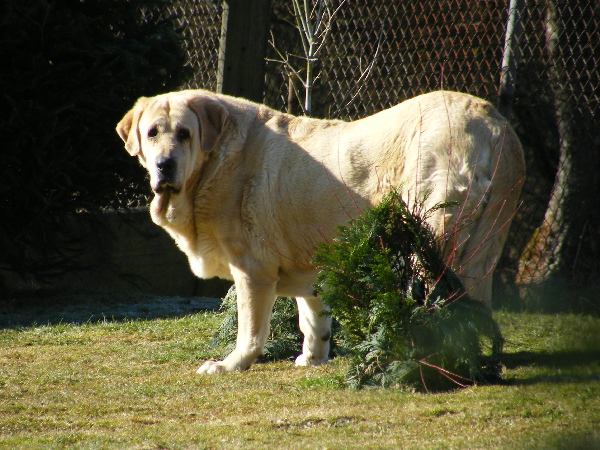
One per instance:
(255,300)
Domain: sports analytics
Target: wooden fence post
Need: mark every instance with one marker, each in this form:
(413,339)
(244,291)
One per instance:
(244,35)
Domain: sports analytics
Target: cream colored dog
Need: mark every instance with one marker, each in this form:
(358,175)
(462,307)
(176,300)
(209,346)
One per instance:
(248,192)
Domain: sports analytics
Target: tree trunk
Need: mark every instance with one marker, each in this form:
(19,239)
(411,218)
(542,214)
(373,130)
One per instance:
(244,35)
(559,257)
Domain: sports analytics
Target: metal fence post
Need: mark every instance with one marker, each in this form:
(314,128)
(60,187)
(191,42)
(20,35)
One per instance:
(512,53)
(242,47)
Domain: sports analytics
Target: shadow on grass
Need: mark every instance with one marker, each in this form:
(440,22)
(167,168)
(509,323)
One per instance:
(585,441)
(561,361)
(83,306)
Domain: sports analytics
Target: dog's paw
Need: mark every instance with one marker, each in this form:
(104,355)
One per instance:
(309,360)
(212,367)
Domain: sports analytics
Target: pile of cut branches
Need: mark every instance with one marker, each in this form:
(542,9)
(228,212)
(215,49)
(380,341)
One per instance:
(405,317)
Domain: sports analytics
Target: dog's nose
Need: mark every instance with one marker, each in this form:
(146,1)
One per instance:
(166,168)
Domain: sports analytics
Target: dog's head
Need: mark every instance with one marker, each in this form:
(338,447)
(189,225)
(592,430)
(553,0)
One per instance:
(172,135)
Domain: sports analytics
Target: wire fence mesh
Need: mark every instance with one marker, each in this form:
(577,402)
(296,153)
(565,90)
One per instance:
(379,53)
(200,22)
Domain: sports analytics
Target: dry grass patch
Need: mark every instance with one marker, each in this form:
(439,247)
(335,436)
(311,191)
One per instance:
(131,384)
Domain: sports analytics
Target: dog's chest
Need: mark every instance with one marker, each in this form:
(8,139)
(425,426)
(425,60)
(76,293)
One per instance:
(205,256)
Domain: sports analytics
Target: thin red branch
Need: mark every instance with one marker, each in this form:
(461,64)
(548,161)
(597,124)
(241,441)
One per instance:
(447,373)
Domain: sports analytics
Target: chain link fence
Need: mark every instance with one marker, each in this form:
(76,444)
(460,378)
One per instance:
(200,22)
(379,53)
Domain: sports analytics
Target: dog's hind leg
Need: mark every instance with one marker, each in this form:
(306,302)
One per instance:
(316,327)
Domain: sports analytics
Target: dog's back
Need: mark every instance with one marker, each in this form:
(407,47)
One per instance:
(438,147)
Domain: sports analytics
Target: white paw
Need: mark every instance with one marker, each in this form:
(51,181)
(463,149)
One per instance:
(308,360)
(212,367)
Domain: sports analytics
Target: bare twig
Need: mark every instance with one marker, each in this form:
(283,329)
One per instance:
(313,22)
(364,76)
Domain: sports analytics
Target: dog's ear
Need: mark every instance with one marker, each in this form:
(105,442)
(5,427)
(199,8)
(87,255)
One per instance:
(128,127)
(212,118)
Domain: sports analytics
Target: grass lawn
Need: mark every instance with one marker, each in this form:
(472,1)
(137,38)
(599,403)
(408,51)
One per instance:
(131,383)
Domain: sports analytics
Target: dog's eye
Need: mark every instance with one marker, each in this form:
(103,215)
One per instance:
(183,134)
(152,132)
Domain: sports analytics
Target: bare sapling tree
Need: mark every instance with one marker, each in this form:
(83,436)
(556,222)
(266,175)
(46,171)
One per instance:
(314,24)
(313,20)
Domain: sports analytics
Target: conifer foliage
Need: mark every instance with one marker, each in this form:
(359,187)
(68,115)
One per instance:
(405,317)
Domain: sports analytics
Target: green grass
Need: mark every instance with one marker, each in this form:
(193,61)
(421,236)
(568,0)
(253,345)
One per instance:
(132,384)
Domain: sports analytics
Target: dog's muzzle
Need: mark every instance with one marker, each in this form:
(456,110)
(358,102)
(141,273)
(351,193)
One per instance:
(166,173)
(166,168)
